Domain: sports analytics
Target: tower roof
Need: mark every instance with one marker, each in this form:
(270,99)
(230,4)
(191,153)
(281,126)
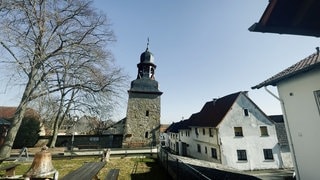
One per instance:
(145,82)
(145,86)
(147,57)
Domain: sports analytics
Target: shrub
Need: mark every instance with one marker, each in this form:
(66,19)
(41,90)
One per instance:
(28,132)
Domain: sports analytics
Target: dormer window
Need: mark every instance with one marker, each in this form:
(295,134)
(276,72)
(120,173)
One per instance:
(246,112)
(210,132)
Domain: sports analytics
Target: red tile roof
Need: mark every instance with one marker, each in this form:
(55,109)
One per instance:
(307,64)
(8,112)
(163,127)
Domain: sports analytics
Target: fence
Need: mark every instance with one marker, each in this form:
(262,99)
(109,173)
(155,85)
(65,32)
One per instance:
(179,170)
(176,168)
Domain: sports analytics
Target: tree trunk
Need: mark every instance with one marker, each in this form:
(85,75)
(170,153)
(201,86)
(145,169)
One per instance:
(15,125)
(5,150)
(60,119)
(54,138)
(55,129)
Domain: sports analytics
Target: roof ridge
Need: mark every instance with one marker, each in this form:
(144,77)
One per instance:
(303,65)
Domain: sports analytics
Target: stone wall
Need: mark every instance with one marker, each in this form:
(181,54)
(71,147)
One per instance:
(143,121)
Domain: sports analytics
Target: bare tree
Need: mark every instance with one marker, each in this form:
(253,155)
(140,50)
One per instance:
(89,87)
(40,35)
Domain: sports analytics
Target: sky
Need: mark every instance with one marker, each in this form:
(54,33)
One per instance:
(202,48)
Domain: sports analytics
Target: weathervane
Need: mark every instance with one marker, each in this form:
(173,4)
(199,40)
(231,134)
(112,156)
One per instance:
(148,43)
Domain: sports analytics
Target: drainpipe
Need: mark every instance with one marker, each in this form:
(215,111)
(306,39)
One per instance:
(219,144)
(288,129)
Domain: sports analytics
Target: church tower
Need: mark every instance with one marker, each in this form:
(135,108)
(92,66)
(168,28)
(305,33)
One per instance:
(143,111)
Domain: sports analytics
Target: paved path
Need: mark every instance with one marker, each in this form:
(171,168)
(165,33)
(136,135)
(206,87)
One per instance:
(272,174)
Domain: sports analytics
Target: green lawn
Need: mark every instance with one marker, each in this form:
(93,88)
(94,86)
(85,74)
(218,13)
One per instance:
(130,168)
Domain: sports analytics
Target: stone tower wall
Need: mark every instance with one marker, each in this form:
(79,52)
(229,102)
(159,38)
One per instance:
(143,120)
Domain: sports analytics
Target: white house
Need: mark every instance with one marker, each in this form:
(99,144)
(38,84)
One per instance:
(173,138)
(299,93)
(233,131)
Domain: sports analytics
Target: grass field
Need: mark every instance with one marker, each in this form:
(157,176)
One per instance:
(130,168)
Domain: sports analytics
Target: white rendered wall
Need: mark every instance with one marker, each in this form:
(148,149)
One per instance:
(303,121)
(173,139)
(252,141)
(186,139)
(205,141)
(286,157)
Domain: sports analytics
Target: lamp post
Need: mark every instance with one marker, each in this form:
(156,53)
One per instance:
(75,119)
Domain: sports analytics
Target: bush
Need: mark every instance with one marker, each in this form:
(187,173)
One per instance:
(28,132)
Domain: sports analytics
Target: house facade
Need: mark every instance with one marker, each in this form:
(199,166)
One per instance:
(164,136)
(231,130)
(173,138)
(299,93)
(248,137)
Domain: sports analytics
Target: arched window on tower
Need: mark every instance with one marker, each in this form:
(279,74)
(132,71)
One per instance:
(152,73)
(140,74)
(146,135)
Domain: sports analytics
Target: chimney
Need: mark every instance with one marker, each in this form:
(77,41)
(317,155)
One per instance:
(214,101)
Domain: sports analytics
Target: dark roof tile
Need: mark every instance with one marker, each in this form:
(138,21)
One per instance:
(280,129)
(214,111)
(277,118)
(211,114)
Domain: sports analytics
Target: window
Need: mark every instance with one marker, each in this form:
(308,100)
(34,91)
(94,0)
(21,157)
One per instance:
(268,155)
(317,97)
(203,131)
(264,131)
(196,131)
(94,139)
(210,132)
(146,134)
(242,155)
(246,112)
(205,150)
(238,131)
(147,113)
(199,148)
(213,153)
